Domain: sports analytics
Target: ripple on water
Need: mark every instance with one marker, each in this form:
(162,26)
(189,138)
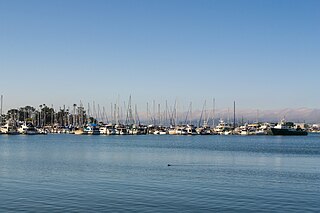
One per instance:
(120,174)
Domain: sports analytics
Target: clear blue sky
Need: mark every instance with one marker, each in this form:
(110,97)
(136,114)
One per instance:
(264,54)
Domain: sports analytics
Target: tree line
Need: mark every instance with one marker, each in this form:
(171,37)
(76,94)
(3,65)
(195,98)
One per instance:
(47,116)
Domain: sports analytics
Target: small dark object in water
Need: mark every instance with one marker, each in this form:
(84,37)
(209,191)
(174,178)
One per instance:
(169,165)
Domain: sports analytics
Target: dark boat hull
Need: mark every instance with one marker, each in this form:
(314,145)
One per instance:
(274,131)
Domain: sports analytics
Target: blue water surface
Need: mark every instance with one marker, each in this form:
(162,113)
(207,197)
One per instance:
(73,173)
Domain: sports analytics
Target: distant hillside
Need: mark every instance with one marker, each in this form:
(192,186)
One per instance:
(252,115)
(249,115)
(296,115)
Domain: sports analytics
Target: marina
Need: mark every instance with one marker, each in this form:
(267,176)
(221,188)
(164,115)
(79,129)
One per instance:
(159,106)
(84,121)
(15,127)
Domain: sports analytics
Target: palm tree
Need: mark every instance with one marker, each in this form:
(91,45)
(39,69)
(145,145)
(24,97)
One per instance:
(40,106)
(44,115)
(74,114)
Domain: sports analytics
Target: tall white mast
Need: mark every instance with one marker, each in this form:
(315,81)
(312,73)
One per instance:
(213,111)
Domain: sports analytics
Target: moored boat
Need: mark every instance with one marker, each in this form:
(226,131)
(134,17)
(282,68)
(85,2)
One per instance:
(287,128)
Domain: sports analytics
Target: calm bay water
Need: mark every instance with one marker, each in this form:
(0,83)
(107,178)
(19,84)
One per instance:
(71,173)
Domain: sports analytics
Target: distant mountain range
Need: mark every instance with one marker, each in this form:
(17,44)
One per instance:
(296,115)
(299,115)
